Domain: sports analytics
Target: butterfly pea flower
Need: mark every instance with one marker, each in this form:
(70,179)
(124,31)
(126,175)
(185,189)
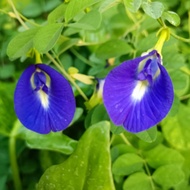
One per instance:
(44,99)
(138,94)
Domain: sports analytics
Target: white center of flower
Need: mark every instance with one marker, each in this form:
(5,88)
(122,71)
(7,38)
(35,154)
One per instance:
(43,98)
(139,90)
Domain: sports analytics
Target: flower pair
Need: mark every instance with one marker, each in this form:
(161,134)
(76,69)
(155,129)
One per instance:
(137,94)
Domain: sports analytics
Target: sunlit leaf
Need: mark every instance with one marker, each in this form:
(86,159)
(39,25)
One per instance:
(132,5)
(162,155)
(127,164)
(176,129)
(74,7)
(172,17)
(180,82)
(138,181)
(86,168)
(112,48)
(143,145)
(153,9)
(46,37)
(90,21)
(57,14)
(21,44)
(120,149)
(53,141)
(117,129)
(148,135)
(168,176)
(64,44)
(175,106)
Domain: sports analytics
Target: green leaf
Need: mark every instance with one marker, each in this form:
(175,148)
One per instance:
(127,164)
(66,60)
(99,114)
(120,149)
(52,141)
(175,106)
(138,181)
(75,7)
(147,146)
(112,48)
(86,168)
(107,4)
(78,113)
(33,9)
(7,113)
(90,21)
(132,5)
(153,9)
(172,17)
(21,44)
(168,176)
(183,185)
(117,129)
(4,162)
(57,14)
(49,5)
(162,155)
(176,129)
(49,158)
(145,44)
(180,82)
(7,71)
(172,58)
(148,135)
(64,44)
(46,37)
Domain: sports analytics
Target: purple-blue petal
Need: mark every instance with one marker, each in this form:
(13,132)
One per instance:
(137,115)
(53,115)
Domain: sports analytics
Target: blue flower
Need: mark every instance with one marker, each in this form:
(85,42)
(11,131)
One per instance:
(44,99)
(138,94)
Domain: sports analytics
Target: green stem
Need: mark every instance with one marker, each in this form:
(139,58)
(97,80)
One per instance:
(180,38)
(189,22)
(187,96)
(185,70)
(149,174)
(125,139)
(161,22)
(83,59)
(147,170)
(13,158)
(17,15)
(145,164)
(112,139)
(131,16)
(67,76)
(14,165)
(29,21)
